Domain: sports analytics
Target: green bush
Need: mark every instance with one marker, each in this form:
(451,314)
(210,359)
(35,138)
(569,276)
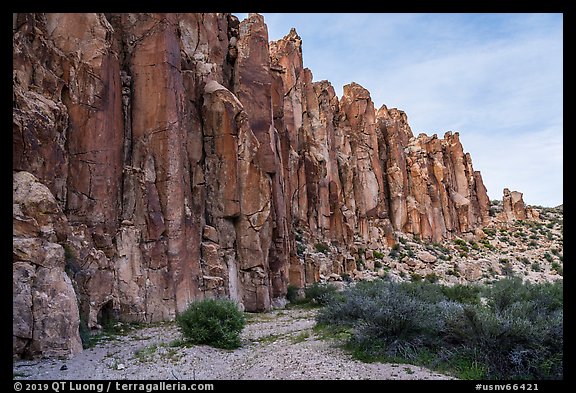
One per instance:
(556,266)
(524,260)
(415,277)
(322,247)
(467,294)
(432,277)
(508,269)
(489,231)
(378,254)
(215,322)
(346,277)
(517,334)
(460,242)
(320,293)
(300,249)
(292,293)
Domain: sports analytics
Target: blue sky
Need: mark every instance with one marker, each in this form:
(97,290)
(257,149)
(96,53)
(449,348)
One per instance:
(495,78)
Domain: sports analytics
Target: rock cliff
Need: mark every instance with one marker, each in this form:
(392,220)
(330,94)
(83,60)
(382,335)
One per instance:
(164,158)
(514,208)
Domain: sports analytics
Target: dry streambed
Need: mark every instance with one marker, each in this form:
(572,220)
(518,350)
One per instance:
(276,345)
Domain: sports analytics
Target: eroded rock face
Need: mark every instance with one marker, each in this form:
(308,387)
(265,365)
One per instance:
(190,158)
(45,311)
(514,208)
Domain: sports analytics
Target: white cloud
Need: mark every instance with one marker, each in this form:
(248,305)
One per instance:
(530,163)
(495,78)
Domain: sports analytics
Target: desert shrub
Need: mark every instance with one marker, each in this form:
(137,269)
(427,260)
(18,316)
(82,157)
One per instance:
(466,294)
(354,304)
(322,247)
(505,292)
(556,266)
(438,246)
(300,248)
(320,293)
(298,236)
(508,269)
(378,254)
(518,334)
(215,322)
(489,231)
(460,242)
(346,277)
(292,293)
(415,277)
(377,264)
(453,272)
(431,278)
(524,260)
(548,257)
(85,336)
(535,267)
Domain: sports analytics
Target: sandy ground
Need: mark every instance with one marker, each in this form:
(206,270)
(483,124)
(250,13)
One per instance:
(276,345)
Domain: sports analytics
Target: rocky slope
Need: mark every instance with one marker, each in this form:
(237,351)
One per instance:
(164,158)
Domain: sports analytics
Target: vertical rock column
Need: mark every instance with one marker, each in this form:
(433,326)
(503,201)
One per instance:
(207,44)
(396,132)
(287,88)
(94,141)
(159,163)
(40,119)
(369,188)
(253,87)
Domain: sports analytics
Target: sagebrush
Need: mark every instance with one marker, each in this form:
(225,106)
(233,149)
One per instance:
(509,330)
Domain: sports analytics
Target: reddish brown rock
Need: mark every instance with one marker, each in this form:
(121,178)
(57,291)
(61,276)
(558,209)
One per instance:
(94,135)
(514,208)
(40,118)
(252,86)
(193,159)
(239,200)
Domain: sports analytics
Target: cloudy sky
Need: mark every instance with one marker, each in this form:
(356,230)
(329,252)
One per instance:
(495,78)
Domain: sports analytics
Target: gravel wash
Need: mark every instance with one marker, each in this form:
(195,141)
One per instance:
(276,345)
